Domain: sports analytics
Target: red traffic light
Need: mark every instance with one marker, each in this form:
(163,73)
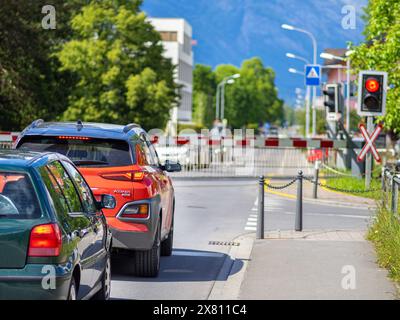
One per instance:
(372,85)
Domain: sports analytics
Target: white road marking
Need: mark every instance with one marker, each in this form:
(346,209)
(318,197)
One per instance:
(252,223)
(250,229)
(252,219)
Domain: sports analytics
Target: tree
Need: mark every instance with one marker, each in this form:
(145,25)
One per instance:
(117,56)
(381,51)
(204,90)
(253,98)
(30,84)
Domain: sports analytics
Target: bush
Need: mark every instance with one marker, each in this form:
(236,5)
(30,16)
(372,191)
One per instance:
(385,234)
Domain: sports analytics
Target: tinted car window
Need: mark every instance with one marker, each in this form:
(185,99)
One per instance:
(18,198)
(83,189)
(83,151)
(66,185)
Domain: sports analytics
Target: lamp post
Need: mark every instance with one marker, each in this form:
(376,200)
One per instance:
(308,93)
(329,56)
(315,48)
(220,103)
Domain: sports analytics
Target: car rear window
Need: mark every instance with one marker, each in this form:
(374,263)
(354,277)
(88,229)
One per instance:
(83,151)
(18,199)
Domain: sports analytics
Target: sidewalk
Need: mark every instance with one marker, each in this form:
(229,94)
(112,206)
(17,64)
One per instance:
(324,195)
(315,265)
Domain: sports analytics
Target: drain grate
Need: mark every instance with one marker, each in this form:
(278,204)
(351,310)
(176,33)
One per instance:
(224,243)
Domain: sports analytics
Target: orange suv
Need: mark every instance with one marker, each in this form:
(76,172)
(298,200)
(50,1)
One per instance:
(118,160)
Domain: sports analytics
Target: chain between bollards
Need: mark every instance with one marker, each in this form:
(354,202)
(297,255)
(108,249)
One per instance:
(260,224)
(299,204)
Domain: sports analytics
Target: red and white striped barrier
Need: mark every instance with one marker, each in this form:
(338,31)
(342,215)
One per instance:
(8,136)
(255,142)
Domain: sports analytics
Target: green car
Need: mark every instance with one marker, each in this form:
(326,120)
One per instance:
(54,240)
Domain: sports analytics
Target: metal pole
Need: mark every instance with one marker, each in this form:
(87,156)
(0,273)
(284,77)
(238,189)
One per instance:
(316,179)
(308,107)
(395,195)
(260,224)
(314,112)
(368,163)
(348,97)
(223,101)
(217,102)
(299,205)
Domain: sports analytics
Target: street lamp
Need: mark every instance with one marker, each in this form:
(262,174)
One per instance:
(315,48)
(293,70)
(293,56)
(220,103)
(329,56)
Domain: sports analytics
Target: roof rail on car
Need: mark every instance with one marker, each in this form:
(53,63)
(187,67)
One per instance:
(79,125)
(36,123)
(130,126)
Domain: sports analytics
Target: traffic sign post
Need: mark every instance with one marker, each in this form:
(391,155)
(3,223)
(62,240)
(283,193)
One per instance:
(370,135)
(313,75)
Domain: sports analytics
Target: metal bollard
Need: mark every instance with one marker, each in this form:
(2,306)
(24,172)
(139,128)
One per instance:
(316,179)
(395,196)
(260,220)
(299,205)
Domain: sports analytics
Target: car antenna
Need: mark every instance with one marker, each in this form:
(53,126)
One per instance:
(79,125)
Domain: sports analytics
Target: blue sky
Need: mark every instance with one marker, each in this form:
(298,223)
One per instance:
(229,31)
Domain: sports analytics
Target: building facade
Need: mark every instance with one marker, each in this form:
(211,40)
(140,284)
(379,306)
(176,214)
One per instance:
(176,35)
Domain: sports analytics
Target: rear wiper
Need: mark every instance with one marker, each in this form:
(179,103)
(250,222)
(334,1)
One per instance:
(90,162)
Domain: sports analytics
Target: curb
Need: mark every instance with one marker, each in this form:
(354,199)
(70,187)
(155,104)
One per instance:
(227,285)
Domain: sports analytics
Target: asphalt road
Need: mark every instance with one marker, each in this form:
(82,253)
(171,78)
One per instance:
(219,210)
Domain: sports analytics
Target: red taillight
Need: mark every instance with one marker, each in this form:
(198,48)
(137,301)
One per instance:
(124,176)
(45,241)
(372,85)
(73,138)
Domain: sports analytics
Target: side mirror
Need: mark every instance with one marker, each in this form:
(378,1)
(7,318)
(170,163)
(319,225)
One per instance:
(107,202)
(172,166)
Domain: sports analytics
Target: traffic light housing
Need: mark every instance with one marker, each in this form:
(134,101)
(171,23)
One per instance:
(333,100)
(372,93)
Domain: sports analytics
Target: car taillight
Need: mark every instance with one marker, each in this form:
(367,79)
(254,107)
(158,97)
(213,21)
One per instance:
(124,176)
(136,211)
(45,241)
(73,138)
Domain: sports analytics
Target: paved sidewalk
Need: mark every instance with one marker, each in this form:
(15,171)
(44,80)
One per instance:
(324,195)
(315,265)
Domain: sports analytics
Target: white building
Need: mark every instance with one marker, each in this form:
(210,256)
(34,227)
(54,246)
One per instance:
(176,35)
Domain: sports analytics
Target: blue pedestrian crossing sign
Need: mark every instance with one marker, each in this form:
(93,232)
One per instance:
(313,75)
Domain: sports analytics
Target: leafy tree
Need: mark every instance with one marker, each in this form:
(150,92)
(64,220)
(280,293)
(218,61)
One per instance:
(381,51)
(253,98)
(118,58)
(30,84)
(204,90)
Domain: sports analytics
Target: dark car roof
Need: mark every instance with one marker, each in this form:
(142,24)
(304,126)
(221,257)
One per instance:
(84,129)
(25,159)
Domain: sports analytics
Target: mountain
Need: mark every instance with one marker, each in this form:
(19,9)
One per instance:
(229,31)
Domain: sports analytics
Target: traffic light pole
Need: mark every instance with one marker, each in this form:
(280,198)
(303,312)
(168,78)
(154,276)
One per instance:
(368,163)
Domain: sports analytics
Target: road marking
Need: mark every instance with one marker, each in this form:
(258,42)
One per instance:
(250,229)
(251,223)
(252,219)
(254,216)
